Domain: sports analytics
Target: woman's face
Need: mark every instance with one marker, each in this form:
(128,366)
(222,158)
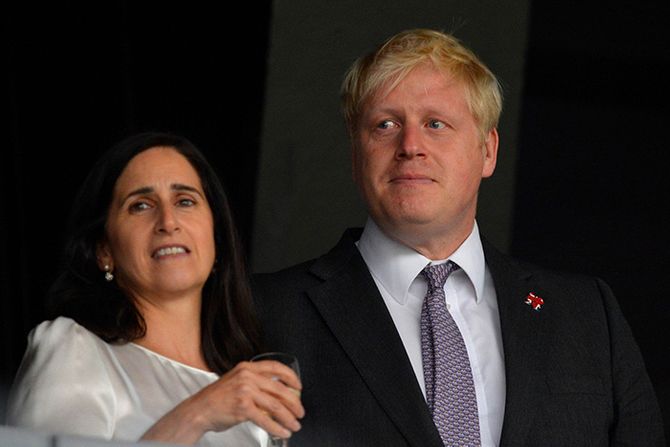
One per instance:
(160,231)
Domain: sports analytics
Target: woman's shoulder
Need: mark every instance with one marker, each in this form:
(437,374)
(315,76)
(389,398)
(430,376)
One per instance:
(62,340)
(62,380)
(61,330)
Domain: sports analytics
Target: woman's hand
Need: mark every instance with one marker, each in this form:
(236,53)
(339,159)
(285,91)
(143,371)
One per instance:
(266,393)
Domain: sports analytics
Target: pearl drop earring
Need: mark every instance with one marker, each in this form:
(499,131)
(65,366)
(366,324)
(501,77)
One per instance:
(109,276)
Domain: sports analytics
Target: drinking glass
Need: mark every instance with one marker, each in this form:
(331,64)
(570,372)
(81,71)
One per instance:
(292,362)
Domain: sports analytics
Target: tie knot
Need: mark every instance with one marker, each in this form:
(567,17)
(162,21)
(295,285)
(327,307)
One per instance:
(437,275)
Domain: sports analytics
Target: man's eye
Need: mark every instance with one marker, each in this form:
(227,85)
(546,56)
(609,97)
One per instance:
(386,124)
(435,124)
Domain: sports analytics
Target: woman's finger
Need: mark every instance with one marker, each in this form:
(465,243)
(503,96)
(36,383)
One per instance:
(277,411)
(288,397)
(276,370)
(267,423)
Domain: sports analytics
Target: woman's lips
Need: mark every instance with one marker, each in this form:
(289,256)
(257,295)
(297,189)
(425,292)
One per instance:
(169,250)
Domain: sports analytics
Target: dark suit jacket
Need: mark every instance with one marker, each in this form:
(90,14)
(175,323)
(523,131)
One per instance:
(575,376)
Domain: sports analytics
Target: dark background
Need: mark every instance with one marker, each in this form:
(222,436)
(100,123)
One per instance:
(592,172)
(592,181)
(79,76)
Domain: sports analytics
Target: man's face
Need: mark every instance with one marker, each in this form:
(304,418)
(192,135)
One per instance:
(419,157)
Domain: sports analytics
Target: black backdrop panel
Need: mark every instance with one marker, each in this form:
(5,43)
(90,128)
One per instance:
(77,77)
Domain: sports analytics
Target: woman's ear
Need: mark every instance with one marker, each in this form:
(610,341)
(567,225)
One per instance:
(104,257)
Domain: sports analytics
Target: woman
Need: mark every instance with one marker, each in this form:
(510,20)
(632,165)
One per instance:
(151,318)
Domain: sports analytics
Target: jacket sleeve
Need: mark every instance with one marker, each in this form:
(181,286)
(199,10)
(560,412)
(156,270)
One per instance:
(637,413)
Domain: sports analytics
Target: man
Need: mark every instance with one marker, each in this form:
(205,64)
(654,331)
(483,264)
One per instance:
(532,357)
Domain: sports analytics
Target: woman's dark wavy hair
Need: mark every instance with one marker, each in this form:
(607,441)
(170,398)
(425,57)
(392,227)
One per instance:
(230,331)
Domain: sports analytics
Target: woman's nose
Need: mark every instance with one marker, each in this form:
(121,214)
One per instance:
(167,220)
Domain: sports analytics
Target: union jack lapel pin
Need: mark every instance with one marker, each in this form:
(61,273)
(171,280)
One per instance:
(534,301)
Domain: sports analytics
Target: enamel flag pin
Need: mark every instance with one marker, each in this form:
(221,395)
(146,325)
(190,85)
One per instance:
(534,301)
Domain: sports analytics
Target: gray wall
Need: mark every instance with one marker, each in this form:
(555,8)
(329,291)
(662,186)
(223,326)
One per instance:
(305,196)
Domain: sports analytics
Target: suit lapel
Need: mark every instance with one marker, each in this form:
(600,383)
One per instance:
(520,326)
(352,307)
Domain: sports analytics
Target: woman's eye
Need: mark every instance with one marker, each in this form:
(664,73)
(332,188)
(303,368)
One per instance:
(138,206)
(435,124)
(186,202)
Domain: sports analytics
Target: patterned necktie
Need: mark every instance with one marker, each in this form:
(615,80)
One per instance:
(450,389)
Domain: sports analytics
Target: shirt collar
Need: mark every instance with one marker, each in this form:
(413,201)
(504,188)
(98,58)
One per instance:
(395,265)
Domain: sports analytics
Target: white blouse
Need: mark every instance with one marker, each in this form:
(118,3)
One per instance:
(72,382)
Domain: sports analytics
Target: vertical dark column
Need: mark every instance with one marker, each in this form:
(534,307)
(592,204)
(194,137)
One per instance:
(592,177)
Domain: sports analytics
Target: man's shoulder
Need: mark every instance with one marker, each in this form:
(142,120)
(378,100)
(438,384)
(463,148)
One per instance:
(284,274)
(564,287)
(313,270)
(521,266)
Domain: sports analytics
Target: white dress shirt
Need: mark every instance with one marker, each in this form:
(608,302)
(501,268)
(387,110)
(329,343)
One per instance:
(471,300)
(72,382)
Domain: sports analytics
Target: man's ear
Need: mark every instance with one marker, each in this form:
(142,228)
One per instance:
(490,149)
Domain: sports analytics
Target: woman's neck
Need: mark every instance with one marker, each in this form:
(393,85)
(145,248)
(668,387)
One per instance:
(173,331)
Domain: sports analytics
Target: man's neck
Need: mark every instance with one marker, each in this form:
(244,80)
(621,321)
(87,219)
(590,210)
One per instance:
(434,245)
